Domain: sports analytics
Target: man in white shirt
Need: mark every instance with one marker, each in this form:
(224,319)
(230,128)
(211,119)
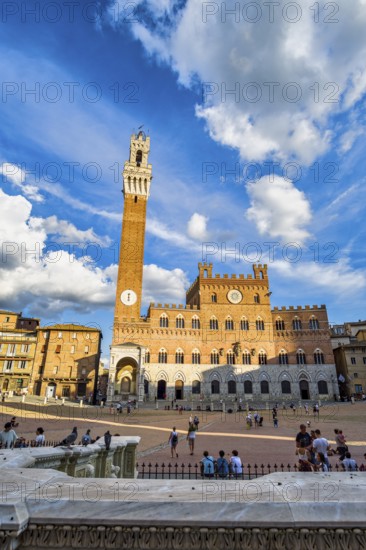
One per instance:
(321,445)
(7,437)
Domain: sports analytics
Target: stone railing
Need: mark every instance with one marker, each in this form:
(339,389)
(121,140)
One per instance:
(46,510)
(78,461)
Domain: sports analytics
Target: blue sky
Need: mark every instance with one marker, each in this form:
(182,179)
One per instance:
(257,126)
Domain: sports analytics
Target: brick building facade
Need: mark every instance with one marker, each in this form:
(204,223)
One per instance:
(18,340)
(66,361)
(226,342)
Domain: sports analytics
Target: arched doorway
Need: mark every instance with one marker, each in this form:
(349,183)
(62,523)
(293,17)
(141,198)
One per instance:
(6,384)
(51,390)
(179,389)
(125,385)
(126,378)
(161,389)
(304,389)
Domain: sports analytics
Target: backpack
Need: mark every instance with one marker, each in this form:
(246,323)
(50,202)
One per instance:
(174,439)
(222,467)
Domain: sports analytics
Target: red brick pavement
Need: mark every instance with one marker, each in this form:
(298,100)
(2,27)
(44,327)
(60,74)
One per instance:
(217,430)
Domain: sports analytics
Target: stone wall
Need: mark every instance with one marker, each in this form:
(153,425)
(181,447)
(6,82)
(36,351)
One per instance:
(48,510)
(78,461)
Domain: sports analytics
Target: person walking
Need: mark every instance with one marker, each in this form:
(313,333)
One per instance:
(173,442)
(191,436)
(340,443)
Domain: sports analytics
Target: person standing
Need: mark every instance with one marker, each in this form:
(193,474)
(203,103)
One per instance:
(321,445)
(303,439)
(173,442)
(191,436)
(7,437)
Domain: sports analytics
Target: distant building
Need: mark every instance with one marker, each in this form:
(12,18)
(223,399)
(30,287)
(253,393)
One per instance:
(226,342)
(66,361)
(18,339)
(349,348)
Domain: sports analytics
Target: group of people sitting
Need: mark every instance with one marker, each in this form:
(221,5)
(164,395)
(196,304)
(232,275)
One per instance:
(10,440)
(221,467)
(314,450)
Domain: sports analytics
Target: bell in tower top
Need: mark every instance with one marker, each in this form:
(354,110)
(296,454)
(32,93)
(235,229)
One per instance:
(137,172)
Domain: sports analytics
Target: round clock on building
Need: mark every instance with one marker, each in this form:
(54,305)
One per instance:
(234,296)
(128,297)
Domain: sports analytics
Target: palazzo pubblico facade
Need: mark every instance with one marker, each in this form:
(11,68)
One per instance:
(225,342)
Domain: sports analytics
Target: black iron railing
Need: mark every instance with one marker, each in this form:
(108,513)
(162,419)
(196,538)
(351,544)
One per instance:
(194,471)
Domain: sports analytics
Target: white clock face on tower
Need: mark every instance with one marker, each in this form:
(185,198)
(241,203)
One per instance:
(128,297)
(234,296)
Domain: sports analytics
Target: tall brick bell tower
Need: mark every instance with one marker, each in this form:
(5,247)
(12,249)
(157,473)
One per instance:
(126,371)
(136,188)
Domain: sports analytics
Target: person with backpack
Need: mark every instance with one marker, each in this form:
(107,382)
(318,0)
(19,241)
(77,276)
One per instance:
(222,466)
(173,442)
(207,465)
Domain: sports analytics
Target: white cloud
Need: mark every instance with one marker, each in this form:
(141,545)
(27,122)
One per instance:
(66,232)
(278,209)
(159,229)
(348,138)
(336,278)
(50,279)
(164,286)
(289,77)
(16,175)
(197,227)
